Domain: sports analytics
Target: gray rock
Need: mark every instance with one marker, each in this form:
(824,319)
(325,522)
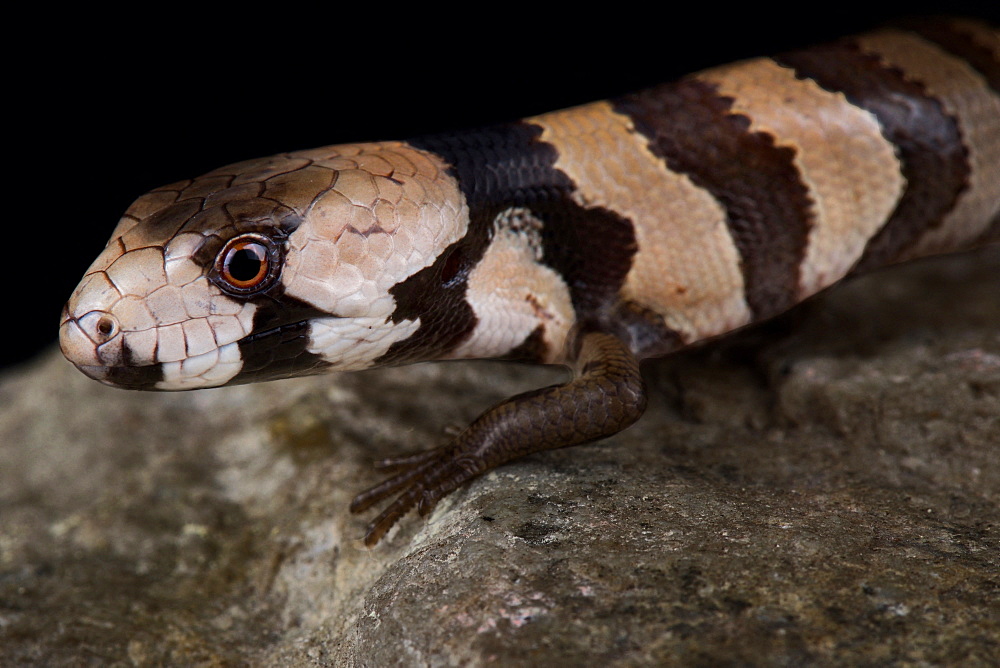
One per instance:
(822,490)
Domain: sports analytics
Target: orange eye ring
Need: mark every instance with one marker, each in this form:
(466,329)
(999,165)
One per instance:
(247,264)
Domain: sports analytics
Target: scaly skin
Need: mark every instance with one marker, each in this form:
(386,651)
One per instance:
(592,237)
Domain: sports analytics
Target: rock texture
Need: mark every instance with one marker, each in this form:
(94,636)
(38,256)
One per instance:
(822,490)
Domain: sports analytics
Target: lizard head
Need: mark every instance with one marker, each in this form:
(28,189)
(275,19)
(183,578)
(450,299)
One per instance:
(266,269)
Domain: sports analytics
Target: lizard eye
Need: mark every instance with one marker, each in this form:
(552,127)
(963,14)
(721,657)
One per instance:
(247,264)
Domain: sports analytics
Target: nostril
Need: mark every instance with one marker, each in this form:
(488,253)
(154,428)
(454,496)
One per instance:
(99,326)
(106,326)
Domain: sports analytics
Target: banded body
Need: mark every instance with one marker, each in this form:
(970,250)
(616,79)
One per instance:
(592,237)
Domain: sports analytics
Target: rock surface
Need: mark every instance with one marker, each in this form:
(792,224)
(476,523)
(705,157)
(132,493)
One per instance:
(825,489)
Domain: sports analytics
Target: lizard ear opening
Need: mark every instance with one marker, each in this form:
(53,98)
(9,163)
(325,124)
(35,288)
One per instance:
(453,266)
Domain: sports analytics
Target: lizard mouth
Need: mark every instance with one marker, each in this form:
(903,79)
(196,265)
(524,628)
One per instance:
(125,377)
(275,353)
(278,352)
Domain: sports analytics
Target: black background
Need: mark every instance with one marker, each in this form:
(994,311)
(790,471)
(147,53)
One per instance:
(105,107)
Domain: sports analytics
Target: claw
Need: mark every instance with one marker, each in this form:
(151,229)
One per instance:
(428,501)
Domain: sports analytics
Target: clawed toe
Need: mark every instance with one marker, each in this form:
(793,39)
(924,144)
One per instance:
(421,482)
(411,461)
(416,481)
(403,479)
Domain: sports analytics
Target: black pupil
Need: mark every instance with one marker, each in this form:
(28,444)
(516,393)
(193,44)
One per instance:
(244,263)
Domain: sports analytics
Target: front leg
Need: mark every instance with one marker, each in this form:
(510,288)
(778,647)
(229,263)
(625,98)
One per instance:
(605,396)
